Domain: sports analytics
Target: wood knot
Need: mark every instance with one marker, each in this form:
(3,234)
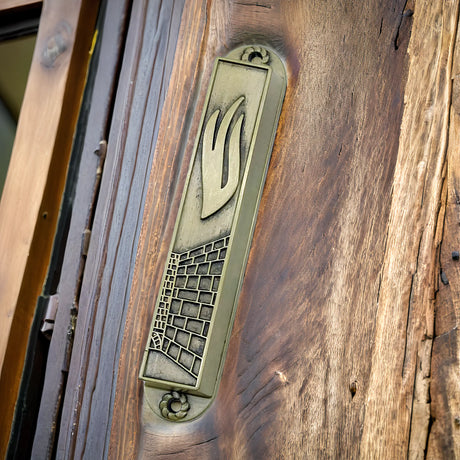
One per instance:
(56,44)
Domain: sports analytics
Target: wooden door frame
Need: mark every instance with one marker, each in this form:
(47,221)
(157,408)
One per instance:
(31,198)
(149,52)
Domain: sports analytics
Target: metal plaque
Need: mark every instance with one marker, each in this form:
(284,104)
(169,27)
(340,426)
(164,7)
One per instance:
(195,308)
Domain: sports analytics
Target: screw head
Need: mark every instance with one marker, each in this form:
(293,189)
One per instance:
(174,406)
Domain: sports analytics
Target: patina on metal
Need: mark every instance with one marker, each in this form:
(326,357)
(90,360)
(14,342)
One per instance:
(196,305)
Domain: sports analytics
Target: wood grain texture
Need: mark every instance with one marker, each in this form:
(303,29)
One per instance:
(142,85)
(336,310)
(168,167)
(31,197)
(444,434)
(93,127)
(397,407)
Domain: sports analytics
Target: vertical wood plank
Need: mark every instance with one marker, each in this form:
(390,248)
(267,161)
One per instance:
(93,127)
(143,82)
(169,168)
(31,197)
(444,427)
(397,406)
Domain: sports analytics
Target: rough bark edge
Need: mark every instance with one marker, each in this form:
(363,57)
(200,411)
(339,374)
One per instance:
(397,410)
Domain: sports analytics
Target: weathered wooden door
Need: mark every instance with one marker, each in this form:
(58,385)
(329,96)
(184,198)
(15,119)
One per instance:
(335,351)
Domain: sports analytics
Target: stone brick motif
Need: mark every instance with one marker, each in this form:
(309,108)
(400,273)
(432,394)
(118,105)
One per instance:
(188,298)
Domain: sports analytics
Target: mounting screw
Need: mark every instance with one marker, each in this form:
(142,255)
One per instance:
(174,405)
(455,255)
(256,55)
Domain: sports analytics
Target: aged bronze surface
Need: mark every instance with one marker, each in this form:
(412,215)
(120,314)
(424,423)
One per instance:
(196,305)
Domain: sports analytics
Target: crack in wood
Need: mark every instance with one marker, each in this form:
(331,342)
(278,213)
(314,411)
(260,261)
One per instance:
(403,15)
(257,4)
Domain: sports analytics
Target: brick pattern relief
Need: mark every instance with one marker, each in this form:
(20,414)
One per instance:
(188,297)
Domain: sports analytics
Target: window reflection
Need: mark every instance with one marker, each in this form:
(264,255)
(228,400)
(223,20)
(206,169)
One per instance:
(15,59)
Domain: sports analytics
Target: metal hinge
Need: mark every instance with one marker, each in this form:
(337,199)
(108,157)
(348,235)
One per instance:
(50,316)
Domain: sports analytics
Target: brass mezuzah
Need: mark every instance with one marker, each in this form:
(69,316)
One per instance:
(196,305)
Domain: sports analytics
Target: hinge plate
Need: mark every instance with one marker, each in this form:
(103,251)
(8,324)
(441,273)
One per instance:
(50,316)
